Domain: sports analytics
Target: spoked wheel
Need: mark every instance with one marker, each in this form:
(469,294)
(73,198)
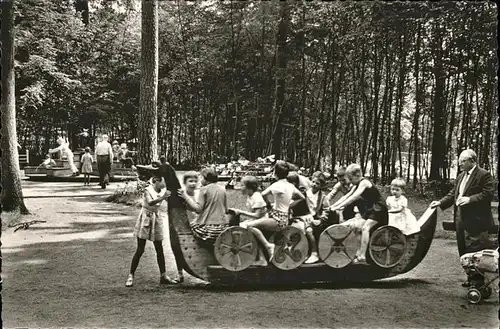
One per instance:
(474,296)
(337,246)
(291,248)
(235,248)
(387,246)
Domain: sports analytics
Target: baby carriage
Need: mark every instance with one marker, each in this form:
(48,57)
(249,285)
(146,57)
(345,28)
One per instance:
(482,269)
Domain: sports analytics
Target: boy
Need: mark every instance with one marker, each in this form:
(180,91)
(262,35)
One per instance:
(340,189)
(311,211)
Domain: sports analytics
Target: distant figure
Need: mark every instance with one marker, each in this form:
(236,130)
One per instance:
(104,157)
(49,162)
(125,157)
(65,153)
(87,166)
(116,151)
(471,200)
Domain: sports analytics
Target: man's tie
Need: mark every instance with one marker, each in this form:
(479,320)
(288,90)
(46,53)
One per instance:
(461,189)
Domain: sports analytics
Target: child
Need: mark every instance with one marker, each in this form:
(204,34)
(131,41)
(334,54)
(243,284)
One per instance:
(304,212)
(211,208)
(372,208)
(256,204)
(49,162)
(86,166)
(341,188)
(190,180)
(318,205)
(149,226)
(399,214)
(277,219)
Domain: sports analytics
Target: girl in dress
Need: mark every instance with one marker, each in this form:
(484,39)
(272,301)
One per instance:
(277,219)
(86,166)
(149,226)
(399,215)
(372,209)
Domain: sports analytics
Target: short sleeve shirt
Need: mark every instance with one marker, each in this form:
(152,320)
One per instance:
(255,201)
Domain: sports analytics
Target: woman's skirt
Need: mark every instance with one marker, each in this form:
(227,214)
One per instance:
(149,226)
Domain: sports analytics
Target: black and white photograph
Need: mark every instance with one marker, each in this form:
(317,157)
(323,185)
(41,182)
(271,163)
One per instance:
(249,164)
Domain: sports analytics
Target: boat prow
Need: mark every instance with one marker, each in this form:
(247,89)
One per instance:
(198,261)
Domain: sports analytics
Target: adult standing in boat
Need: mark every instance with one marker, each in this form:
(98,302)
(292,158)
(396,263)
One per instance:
(471,200)
(104,156)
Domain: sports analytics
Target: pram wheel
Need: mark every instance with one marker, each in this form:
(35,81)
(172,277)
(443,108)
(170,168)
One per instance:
(474,296)
(486,292)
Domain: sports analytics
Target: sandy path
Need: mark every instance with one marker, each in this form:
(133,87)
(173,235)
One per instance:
(70,272)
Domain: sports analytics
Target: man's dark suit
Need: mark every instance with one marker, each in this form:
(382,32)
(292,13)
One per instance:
(473,220)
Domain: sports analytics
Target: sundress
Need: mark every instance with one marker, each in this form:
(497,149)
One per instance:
(149,225)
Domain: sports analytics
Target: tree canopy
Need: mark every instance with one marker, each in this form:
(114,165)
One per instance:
(384,84)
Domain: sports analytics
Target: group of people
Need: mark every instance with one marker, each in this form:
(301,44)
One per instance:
(291,200)
(295,200)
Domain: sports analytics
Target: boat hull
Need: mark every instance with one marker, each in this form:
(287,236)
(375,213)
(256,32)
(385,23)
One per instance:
(201,263)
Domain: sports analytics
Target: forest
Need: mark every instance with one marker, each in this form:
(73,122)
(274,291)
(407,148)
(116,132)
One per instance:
(391,85)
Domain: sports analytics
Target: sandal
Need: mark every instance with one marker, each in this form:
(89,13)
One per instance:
(130,281)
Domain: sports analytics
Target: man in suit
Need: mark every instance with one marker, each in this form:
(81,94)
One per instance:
(471,200)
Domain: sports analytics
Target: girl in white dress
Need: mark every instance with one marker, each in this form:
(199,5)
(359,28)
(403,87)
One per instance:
(399,215)
(86,166)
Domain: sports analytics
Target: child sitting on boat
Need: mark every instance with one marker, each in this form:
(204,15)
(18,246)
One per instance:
(309,212)
(341,188)
(372,208)
(256,204)
(277,219)
(149,226)
(399,215)
(211,208)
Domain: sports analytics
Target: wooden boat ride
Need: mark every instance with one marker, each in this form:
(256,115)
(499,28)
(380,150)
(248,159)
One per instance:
(230,261)
(62,171)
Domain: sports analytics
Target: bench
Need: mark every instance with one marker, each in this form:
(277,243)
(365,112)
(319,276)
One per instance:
(24,158)
(450,225)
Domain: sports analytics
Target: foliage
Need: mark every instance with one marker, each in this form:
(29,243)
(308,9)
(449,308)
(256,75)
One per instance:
(382,84)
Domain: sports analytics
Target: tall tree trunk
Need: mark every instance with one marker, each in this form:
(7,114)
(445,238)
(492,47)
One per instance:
(281,56)
(418,97)
(12,193)
(438,137)
(148,118)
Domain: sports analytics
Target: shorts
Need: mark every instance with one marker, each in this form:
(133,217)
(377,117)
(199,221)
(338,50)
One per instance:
(280,217)
(208,233)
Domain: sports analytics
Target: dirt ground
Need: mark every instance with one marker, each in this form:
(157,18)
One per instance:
(71,271)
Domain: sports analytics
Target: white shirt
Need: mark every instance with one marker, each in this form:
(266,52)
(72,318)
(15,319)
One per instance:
(255,201)
(312,201)
(463,183)
(104,148)
(283,192)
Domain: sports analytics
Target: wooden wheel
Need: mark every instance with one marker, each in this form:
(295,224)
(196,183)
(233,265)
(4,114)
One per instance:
(387,246)
(291,248)
(337,246)
(235,248)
